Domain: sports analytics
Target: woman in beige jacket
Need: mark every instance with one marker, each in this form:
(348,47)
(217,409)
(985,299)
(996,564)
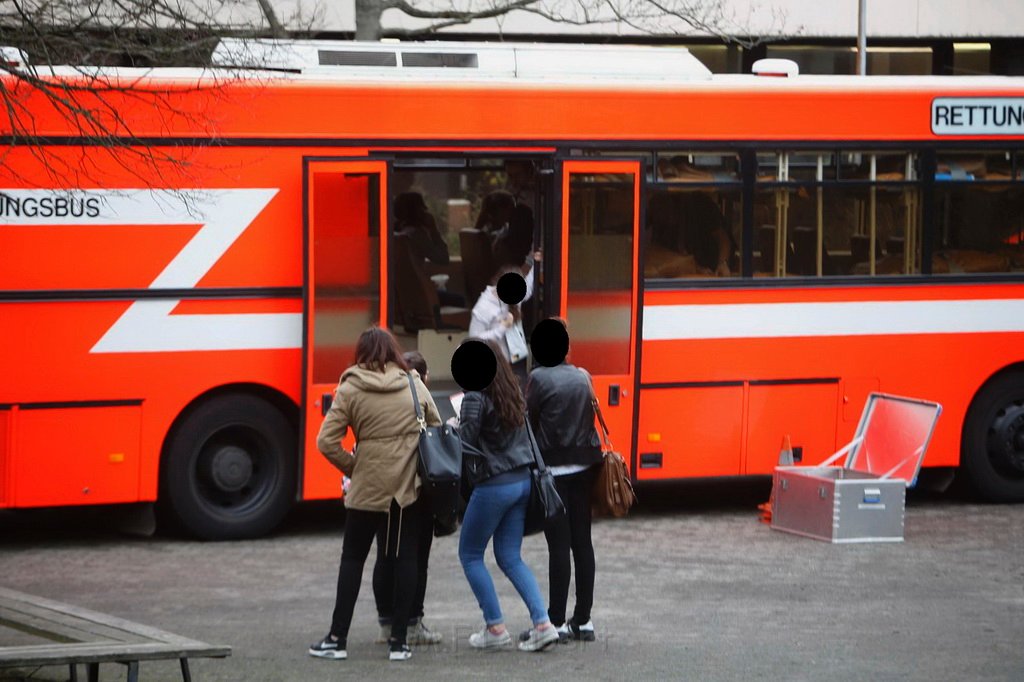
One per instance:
(374,399)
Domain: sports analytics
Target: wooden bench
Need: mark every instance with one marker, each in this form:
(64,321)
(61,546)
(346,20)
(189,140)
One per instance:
(78,636)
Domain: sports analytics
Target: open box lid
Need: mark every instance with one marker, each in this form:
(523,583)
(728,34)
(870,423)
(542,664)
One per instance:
(893,436)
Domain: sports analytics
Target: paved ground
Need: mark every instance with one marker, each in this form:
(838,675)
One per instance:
(691,587)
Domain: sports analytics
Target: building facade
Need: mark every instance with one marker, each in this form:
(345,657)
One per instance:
(942,37)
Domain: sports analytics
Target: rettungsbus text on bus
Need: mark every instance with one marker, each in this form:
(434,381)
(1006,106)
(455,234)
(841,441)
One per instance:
(738,258)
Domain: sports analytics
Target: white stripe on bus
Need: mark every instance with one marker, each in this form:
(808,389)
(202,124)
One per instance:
(845,318)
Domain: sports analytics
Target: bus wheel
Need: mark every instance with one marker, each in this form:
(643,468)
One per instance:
(993,440)
(229,469)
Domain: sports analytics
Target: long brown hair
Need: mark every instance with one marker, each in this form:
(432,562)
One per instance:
(505,393)
(377,347)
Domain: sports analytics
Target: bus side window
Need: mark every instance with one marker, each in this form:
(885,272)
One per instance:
(979,213)
(689,234)
(820,212)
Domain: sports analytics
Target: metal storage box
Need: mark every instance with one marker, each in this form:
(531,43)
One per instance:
(863,500)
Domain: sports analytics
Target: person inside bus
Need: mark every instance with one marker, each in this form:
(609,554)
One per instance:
(495,212)
(521,182)
(384,568)
(559,400)
(494,320)
(374,399)
(513,244)
(688,224)
(492,425)
(414,220)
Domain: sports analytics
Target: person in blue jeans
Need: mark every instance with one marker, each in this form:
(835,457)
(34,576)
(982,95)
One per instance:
(498,456)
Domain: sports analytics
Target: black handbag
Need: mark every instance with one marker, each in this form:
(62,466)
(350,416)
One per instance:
(440,467)
(545,502)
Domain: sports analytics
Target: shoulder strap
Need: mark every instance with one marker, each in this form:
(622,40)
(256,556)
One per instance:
(597,409)
(534,447)
(416,403)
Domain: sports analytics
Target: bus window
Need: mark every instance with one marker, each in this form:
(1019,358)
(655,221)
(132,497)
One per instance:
(601,212)
(826,213)
(347,222)
(976,165)
(694,216)
(684,166)
(979,214)
(692,233)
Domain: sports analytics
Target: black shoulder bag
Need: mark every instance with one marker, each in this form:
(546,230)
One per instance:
(440,469)
(545,502)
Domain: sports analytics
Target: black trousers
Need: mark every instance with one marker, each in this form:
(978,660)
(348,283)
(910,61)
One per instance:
(384,568)
(570,533)
(401,533)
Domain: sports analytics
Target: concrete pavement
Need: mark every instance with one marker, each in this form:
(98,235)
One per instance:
(690,587)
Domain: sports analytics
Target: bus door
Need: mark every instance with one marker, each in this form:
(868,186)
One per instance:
(598,282)
(345,214)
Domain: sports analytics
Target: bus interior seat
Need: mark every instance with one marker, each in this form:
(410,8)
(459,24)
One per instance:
(860,245)
(477,262)
(416,296)
(805,244)
(766,246)
(804,253)
(894,245)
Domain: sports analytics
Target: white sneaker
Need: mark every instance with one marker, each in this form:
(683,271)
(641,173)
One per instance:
(329,648)
(581,633)
(539,640)
(420,634)
(485,639)
(398,652)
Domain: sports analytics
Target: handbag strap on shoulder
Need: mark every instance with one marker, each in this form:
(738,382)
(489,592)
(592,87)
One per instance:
(537,459)
(416,404)
(597,410)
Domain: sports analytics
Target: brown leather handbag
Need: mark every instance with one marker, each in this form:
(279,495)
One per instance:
(613,491)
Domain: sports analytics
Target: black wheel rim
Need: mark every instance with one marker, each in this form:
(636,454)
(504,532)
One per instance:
(234,472)
(1004,442)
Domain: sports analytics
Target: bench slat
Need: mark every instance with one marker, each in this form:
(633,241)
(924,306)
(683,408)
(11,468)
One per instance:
(61,654)
(95,637)
(80,615)
(51,625)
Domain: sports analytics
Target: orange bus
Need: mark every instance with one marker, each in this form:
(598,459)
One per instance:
(739,258)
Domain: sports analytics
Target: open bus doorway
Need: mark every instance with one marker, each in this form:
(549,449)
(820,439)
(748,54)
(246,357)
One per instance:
(454,222)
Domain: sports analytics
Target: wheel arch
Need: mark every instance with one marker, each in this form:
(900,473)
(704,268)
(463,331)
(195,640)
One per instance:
(995,471)
(272,398)
(285,405)
(980,390)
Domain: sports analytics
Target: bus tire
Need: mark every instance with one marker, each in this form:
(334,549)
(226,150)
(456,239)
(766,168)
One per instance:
(229,469)
(992,445)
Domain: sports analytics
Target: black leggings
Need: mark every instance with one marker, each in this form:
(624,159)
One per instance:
(401,544)
(384,568)
(571,532)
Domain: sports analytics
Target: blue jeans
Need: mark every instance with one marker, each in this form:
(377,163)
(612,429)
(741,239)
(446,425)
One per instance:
(498,511)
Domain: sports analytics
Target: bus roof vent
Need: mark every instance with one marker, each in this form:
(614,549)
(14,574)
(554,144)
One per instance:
(784,68)
(454,60)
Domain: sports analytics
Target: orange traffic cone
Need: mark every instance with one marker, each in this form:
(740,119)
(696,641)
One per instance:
(785,459)
(786,452)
